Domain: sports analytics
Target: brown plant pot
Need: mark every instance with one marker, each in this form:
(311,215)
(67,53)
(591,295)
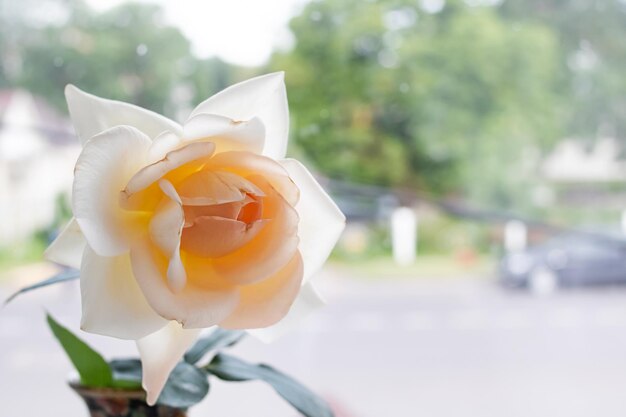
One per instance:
(112,402)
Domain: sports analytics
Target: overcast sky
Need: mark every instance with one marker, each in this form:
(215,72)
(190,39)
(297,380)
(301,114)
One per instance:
(242,32)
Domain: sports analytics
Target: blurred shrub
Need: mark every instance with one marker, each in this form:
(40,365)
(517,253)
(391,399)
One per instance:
(437,235)
(23,252)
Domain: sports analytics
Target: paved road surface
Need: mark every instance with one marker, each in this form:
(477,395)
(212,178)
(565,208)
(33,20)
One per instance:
(452,347)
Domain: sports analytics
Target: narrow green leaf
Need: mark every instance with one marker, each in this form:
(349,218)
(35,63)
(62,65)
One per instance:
(67,275)
(218,339)
(229,368)
(186,386)
(94,371)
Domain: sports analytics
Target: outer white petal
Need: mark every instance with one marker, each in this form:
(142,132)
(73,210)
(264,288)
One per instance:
(307,301)
(160,352)
(162,144)
(264,97)
(67,248)
(92,115)
(321,221)
(103,169)
(226,133)
(112,303)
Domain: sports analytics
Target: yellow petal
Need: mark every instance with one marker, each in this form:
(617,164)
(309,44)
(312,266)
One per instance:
(209,187)
(274,245)
(213,237)
(248,164)
(193,306)
(266,302)
(165,230)
(141,191)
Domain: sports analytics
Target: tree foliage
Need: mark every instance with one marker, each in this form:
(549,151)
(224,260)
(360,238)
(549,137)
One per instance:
(592,51)
(387,92)
(127,53)
(460,99)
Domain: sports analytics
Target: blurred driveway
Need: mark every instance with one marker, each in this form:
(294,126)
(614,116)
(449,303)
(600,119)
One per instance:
(396,347)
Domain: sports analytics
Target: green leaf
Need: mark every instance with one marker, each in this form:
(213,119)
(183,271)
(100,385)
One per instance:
(126,373)
(229,368)
(186,386)
(67,275)
(94,371)
(218,339)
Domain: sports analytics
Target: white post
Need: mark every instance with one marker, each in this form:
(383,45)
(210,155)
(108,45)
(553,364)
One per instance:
(624,221)
(404,235)
(515,236)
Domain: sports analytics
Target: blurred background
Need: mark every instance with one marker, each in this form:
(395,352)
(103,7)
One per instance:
(477,147)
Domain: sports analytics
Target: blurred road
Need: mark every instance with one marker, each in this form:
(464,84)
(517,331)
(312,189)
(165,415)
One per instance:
(397,348)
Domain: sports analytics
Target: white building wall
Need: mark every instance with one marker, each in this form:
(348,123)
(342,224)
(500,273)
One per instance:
(33,173)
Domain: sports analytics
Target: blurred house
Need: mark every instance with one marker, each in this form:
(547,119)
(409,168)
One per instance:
(572,161)
(38,151)
(588,175)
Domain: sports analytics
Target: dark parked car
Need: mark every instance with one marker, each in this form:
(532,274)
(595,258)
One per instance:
(568,260)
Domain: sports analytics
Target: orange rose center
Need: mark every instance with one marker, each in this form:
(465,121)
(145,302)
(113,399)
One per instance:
(223,212)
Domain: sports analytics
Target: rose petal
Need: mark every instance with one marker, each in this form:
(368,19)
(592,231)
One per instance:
(104,167)
(112,303)
(208,187)
(162,144)
(142,192)
(67,249)
(92,115)
(172,160)
(248,164)
(213,237)
(307,301)
(321,221)
(160,352)
(193,306)
(227,134)
(266,302)
(166,227)
(226,210)
(264,97)
(269,251)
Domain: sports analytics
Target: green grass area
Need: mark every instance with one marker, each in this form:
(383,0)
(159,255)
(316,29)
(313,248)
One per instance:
(24,252)
(426,266)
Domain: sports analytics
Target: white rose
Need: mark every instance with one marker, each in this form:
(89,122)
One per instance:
(179,228)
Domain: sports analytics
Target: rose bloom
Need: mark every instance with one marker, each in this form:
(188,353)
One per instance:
(179,228)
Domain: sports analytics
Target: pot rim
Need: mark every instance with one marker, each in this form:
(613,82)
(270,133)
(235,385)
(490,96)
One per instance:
(108,392)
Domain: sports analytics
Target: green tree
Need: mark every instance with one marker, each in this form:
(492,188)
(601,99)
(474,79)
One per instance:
(126,53)
(386,92)
(593,59)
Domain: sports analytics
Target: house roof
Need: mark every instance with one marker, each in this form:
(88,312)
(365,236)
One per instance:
(573,161)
